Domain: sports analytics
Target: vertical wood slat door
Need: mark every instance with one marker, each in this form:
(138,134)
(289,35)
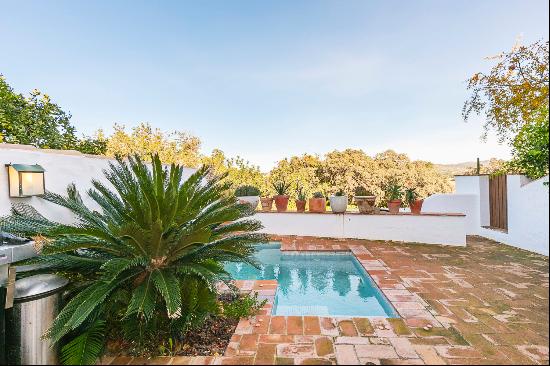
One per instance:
(498,202)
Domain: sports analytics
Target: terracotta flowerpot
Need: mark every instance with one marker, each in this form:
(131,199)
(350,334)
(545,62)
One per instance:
(281,203)
(318,205)
(338,204)
(393,206)
(365,204)
(416,207)
(300,205)
(267,203)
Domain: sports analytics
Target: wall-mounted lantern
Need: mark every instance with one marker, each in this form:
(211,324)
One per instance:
(25,180)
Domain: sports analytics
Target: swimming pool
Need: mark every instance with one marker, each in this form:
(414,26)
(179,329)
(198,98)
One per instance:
(329,284)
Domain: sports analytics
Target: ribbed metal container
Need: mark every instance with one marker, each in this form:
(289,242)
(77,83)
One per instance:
(37,303)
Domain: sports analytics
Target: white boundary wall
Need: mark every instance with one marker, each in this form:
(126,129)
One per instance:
(62,168)
(528,205)
(428,229)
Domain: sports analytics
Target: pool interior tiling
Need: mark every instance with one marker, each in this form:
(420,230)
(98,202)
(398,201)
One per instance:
(322,284)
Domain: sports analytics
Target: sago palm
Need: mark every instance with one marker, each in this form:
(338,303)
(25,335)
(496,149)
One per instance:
(151,251)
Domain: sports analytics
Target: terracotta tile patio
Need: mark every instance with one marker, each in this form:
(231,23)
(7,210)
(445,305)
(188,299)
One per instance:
(486,303)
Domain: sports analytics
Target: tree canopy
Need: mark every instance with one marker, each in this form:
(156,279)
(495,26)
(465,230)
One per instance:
(175,147)
(513,92)
(33,120)
(514,99)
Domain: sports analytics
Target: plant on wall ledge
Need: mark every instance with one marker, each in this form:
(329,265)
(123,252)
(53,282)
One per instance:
(281,198)
(412,199)
(394,193)
(147,262)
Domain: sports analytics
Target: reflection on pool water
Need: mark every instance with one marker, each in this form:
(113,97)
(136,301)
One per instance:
(316,284)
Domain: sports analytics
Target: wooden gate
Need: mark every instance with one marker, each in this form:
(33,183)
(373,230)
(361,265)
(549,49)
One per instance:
(498,202)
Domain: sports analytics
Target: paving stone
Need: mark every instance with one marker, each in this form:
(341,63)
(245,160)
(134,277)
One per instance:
(458,352)
(294,325)
(296,350)
(323,346)
(403,347)
(277,325)
(429,355)
(249,343)
(265,354)
(375,351)
(345,355)
(284,361)
(311,325)
(276,338)
(363,326)
(347,328)
(329,327)
(237,360)
(352,340)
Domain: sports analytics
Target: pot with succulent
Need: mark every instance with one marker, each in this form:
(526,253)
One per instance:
(267,203)
(248,194)
(364,200)
(394,192)
(281,198)
(411,197)
(300,199)
(339,202)
(317,203)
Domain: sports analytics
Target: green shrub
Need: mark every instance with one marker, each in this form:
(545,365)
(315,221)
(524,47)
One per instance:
(243,306)
(247,190)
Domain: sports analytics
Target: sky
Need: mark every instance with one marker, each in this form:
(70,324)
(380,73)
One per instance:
(270,79)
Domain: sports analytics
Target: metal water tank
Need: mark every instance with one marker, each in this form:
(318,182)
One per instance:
(37,302)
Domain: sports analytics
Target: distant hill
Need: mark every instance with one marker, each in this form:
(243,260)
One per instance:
(458,168)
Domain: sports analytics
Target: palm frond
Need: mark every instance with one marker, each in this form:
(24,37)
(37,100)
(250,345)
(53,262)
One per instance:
(85,348)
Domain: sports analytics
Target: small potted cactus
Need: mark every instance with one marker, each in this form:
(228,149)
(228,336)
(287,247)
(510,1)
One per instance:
(300,199)
(411,197)
(281,198)
(364,200)
(249,195)
(393,195)
(317,203)
(339,202)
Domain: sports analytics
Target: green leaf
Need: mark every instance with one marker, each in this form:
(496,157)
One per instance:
(168,286)
(86,348)
(143,300)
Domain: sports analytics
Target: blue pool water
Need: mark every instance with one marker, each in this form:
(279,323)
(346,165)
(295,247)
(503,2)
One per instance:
(316,284)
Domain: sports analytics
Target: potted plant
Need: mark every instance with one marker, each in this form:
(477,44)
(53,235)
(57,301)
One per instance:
(281,198)
(364,200)
(317,203)
(300,199)
(249,195)
(267,203)
(393,195)
(411,197)
(339,202)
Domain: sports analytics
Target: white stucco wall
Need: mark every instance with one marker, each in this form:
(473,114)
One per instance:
(467,203)
(528,207)
(62,168)
(429,229)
